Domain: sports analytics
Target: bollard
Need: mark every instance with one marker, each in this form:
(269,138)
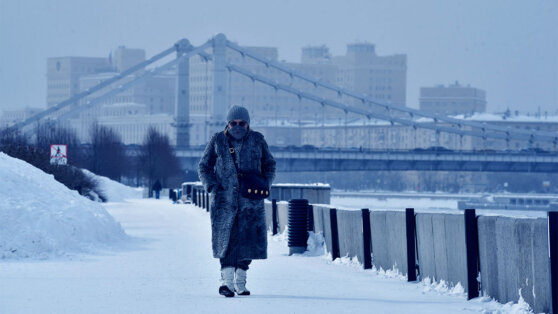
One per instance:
(472,244)
(298,222)
(334,234)
(207,202)
(274,216)
(310,219)
(411,242)
(366,238)
(553,251)
(204,204)
(195,196)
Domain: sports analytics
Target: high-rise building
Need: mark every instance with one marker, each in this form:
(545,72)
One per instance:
(63,74)
(452,99)
(382,78)
(125,58)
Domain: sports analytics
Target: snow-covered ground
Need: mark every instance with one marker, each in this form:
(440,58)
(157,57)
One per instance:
(168,268)
(114,191)
(163,262)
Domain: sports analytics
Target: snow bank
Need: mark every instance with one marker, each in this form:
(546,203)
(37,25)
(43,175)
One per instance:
(115,191)
(41,218)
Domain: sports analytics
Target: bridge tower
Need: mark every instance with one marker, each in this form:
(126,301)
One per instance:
(220,88)
(182,104)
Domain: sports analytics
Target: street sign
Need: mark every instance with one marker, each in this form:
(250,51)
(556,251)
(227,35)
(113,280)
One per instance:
(58,154)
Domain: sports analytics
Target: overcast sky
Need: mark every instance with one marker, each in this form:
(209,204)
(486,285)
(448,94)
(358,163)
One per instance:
(508,48)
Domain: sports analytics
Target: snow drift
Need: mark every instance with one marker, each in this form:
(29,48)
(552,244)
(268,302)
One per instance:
(115,191)
(41,218)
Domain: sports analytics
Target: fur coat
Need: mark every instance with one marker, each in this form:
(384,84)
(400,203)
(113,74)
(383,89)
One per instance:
(217,172)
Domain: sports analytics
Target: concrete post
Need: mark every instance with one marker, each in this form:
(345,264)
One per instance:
(182,104)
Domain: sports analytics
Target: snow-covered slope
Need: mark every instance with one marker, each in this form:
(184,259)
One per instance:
(41,218)
(115,191)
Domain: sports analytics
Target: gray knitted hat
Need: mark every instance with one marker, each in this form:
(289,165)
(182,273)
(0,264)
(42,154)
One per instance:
(238,113)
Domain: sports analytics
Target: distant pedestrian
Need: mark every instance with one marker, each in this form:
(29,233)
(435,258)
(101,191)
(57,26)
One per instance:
(157,188)
(237,169)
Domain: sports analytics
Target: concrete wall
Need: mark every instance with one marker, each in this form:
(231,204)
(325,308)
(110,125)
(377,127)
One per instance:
(389,242)
(513,255)
(314,194)
(268,215)
(322,223)
(349,226)
(442,251)
(282,215)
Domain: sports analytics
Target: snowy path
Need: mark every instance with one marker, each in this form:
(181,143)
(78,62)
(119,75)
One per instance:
(169,269)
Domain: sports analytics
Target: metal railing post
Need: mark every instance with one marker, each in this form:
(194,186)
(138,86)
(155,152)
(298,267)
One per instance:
(366,238)
(411,242)
(472,244)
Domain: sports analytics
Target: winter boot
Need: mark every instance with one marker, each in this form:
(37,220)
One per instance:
(240,282)
(227,285)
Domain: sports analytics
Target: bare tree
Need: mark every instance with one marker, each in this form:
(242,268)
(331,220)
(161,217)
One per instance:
(107,154)
(158,159)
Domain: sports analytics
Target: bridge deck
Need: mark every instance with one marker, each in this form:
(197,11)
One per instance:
(326,160)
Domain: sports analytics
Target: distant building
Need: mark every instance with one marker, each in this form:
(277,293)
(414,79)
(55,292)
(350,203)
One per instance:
(452,100)
(10,117)
(63,74)
(383,78)
(130,120)
(124,58)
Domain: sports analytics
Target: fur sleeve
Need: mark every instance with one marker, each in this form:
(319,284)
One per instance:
(268,162)
(206,171)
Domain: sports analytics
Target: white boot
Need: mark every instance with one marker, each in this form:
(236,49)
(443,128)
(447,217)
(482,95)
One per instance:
(240,282)
(227,282)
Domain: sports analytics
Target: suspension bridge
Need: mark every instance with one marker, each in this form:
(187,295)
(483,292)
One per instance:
(217,50)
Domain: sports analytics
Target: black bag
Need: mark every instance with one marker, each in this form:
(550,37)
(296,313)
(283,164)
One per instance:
(252,184)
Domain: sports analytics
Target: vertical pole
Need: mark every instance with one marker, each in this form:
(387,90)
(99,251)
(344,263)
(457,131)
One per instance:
(207,202)
(367,238)
(410,228)
(182,105)
(203,199)
(472,243)
(274,216)
(553,251)
(334,234)
(219,106)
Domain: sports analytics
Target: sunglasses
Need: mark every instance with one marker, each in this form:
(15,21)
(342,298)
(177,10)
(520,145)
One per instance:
(234,123)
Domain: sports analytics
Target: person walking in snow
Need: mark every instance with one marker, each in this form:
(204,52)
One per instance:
(238,225)
(157,188)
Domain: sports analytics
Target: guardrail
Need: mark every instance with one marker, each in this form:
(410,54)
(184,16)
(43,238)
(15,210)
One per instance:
(495,256)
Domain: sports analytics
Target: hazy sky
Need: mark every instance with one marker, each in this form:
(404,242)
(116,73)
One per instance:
(508,48)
